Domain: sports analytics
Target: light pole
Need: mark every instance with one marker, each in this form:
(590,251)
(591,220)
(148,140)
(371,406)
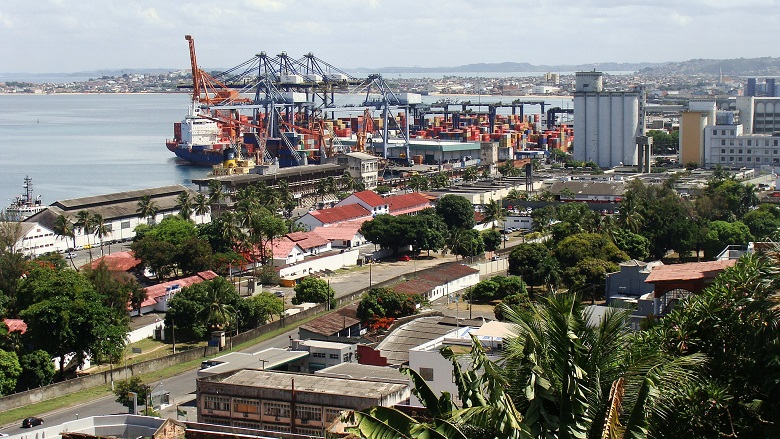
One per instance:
(370,277)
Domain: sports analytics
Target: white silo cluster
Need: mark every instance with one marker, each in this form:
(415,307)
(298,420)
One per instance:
(606,123)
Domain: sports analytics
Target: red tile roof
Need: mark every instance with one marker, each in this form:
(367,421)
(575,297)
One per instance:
(120,261)
(16,325)
(283,247)
(689,271)
(342,231)
(156,291)
(341,213)
(307,240)
(407,203)
(371,198)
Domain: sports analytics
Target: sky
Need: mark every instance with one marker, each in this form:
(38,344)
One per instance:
(65,36)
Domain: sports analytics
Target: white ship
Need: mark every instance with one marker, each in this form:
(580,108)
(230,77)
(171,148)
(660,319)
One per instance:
(25,205)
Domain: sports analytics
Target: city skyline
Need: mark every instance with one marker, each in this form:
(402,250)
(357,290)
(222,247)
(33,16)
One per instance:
(70,36)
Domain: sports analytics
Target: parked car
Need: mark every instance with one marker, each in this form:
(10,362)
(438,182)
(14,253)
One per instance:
(70,255)
(404,258)
(32,421)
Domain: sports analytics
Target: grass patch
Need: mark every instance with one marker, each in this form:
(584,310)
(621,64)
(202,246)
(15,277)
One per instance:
(16,415)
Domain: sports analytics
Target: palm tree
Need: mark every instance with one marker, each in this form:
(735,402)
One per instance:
(147,208)
(184,204)
(63,228)
(84,222)
(493,212)
(100,229)
(347,182)
(201,206)
(572,379)
(215,194)
(219,312)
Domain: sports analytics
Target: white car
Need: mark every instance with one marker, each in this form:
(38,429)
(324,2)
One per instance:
(70,255)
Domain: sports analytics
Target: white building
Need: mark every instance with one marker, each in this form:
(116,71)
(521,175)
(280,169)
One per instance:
(322,354)
(606,123)
(119,211)
(34,239)
(426,359)
(372,201)
(361,166)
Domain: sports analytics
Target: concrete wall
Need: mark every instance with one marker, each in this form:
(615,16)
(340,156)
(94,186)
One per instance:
(490,267)
(144,332)
(311,266)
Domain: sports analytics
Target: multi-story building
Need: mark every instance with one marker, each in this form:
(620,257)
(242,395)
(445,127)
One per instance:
(288,402)
(606,123)
(322,354)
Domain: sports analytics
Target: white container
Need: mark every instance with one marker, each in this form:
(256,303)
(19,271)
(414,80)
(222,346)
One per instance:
(410,98)
(291,79)
(292,97)
(313,77)
(336,77)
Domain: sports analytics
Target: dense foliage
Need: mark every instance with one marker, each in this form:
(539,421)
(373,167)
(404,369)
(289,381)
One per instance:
(380,303)
(314,290)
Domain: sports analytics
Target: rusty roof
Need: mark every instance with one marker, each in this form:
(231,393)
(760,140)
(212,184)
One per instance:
(334,322)
(120,261)
(341,213)
(371,198)
(689,271)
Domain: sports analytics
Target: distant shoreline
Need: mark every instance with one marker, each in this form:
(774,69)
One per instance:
(444,95)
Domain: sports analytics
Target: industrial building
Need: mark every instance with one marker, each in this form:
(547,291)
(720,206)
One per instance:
(606,123)
(289,402)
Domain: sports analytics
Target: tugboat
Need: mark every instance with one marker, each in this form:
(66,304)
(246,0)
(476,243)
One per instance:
(25,205)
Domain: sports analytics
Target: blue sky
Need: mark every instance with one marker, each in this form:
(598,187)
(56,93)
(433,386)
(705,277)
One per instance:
(39,36)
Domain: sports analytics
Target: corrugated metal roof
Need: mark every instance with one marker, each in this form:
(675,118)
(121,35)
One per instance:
(341,213)
(395,347)
(689,271)
(334,322)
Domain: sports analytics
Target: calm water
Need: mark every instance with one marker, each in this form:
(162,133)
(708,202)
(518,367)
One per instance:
(80,145)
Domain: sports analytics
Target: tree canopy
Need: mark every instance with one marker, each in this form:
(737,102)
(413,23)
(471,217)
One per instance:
(313,289)
(456,211)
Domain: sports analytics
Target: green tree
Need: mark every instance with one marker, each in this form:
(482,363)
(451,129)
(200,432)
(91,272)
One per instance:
(496,288)
(426,229)
(64,229)
(215,194)
(147,208)
(577,247)
(101,229)
(456,211)
(469,244)
(525,261)
(136,294)
(220,311)
(123,389)
(200,205)
(10,370)
(492,240)
(85,222)
(261,307)
(764,222)
(588,276)
(37,370)
(184,203)
(493,213)
(418,183)
(470,173)
(312,289)
(722,234)
(734,322)
(635,245)
(380,303)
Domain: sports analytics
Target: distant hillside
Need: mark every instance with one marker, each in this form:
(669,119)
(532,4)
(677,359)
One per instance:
(509,67)
(766,66)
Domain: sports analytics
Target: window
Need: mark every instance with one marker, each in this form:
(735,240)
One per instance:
(426,373)
(318,354)
(211,402)
(723,150)
(731,151)
(749,159)
(722,141)
(332,413)
(740,151)
(333,356)
(125,224)
(308,413)
(246,405)
(739,159)
(278,409)
(750,142)
(750,151)
(774,143)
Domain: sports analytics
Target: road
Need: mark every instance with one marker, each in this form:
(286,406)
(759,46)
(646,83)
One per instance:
(181,387)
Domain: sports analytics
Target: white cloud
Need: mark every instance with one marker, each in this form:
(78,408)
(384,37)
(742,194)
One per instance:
(681,20)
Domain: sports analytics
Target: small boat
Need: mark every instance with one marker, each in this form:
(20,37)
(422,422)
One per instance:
(25,205)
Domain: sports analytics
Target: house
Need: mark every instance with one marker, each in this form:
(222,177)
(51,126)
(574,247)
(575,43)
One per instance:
(628,284)
(343,323)
(119,261)
(157,296)
(322,354)
(427,360)
(34,239)
(334,215)
(361,166)
(589,191)
(309,242)
(674,282)
(408,204)
(342,235)
(119,211)
(440,282)
(286,251)
(370,200)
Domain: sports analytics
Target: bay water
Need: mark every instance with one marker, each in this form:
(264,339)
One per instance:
(77,145)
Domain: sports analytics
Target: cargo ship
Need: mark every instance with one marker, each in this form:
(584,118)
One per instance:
(25,205)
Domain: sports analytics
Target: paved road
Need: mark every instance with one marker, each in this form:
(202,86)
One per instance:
(182,387)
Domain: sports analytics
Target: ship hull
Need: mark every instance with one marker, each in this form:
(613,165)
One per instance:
(198,158)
